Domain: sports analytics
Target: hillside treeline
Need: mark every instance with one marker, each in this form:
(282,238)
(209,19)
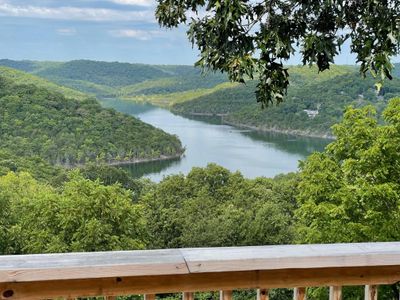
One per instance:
(37,122)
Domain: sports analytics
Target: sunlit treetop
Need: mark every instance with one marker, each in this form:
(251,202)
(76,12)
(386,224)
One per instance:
(249,38)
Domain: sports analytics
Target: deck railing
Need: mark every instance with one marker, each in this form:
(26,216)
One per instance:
(111,274)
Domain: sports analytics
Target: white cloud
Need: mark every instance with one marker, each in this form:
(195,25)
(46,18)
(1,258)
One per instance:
(66,31)
(75,13)
(143,35)
(135,2)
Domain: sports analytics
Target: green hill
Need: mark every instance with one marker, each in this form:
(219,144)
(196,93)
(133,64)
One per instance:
(324,95)
(36,121)
(114,79)
(19,77)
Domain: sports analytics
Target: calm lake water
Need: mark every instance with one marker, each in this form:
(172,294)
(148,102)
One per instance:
(206,140)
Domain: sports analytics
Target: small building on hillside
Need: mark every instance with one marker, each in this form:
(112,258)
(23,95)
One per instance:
(311,113)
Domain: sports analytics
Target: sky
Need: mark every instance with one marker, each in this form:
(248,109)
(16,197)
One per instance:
(107,30)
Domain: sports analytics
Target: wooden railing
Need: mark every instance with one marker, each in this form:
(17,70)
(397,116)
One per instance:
(186,271)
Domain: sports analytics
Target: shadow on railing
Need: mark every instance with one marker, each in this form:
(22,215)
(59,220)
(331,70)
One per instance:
(111,274)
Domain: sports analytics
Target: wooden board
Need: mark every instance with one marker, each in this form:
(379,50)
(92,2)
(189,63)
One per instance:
(200,282)
(23,268)
(95,265)
(205,260)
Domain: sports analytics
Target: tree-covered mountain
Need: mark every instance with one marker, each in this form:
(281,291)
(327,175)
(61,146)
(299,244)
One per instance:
(20,77)
(313,103)
(35,121)
(111,79)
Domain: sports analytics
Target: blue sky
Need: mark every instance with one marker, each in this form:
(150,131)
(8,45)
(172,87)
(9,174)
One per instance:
(109,30)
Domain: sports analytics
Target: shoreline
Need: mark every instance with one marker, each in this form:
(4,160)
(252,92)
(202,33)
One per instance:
(293,132)
(144,160)
(300,133)
(126,162)
(283,131)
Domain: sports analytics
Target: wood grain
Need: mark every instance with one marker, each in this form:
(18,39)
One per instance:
(187,296)
(206,260)
(335,293)
(23,268)
(225,295)
(208,269)
(371,292)
(201,282)
(299,293)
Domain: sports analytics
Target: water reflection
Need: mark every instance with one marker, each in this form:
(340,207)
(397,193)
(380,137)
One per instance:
(206,140)
(153,167)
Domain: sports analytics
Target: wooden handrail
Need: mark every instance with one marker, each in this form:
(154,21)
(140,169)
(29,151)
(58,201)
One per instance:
(152,272)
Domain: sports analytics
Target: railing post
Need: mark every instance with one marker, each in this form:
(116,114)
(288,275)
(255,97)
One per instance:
(299,293)
(262,294)
(335,293)
(225,295)
(371,292)
(149,297)
(111,298)
(188,296)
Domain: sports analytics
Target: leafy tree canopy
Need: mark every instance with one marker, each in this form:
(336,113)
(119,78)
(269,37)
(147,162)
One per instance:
(254,38)
(351,192)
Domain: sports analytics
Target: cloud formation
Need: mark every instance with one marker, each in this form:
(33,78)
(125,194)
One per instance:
(77,13)
(143,35)
(135,2)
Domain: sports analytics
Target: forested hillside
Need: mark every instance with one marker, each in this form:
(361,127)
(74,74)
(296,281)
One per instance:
(313,104)
(38,122)
(19,77)
(112,79)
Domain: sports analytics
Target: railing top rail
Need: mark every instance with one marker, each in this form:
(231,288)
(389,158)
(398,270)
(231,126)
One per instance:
(70,266)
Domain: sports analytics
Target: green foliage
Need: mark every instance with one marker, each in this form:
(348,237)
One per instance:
(21,78)
(39,168)
(254,38)
(81,215)
(328,93)
(171,99)
(113,79)
(213,207)
(109,175)
(350,193)
(37,122)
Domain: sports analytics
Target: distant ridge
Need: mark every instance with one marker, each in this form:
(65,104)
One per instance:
(20,77)
(115,79)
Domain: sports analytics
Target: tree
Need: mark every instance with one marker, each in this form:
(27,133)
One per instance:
(351,192)
(81,215)
(254,38)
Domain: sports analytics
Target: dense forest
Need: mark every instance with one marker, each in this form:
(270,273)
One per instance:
(63,131)
(114,79)
(313,104)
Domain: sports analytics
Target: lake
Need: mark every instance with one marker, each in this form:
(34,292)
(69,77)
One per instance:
(206,141)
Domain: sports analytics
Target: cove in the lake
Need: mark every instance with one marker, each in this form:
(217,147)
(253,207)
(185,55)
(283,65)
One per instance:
(206,141)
